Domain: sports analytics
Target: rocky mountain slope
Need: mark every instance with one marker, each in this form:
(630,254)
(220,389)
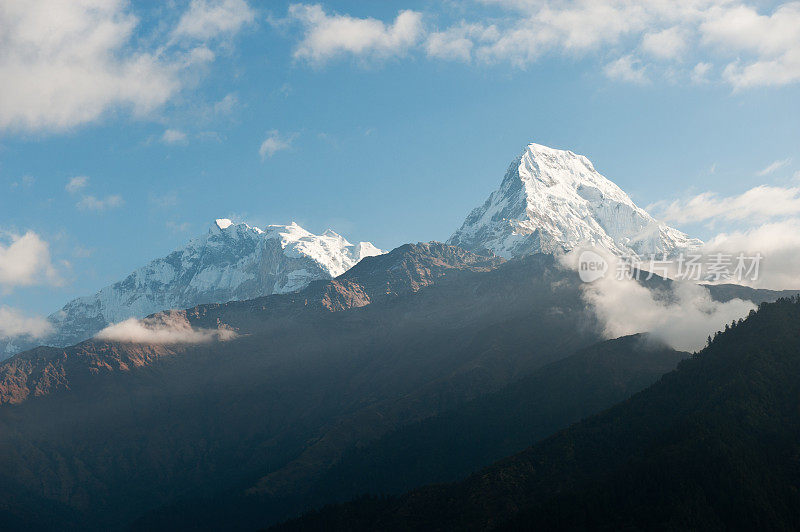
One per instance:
(553,200)
(229,262)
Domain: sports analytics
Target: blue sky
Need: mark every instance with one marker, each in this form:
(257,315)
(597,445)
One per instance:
(384,121)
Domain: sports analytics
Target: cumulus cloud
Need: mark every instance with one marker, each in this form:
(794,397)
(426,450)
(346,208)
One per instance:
(25,261)
(328,36)
(683,316)
(665,44)
(93,203)
(274,143)
(760,203)
(771,42)
(66,64)
(207,19)
(752,44)
(163,329)
(15,323)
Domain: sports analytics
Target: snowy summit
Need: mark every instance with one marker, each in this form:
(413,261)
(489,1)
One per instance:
(553,200)
(232,261)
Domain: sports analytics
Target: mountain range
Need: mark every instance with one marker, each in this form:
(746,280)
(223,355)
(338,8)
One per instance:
(549,200)
(307,372)
(232,261)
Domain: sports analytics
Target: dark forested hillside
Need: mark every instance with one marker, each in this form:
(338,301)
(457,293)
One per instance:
(451,445)
(712,445)
(112,431)
(109,434)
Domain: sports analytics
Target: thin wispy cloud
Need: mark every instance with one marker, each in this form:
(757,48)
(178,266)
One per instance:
(173,136)
(25,182)
(773,167)
(93,203)
(274,143)
(76,184)
(15,323)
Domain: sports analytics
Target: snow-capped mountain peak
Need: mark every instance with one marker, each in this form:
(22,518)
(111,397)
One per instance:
(554,199)
(231,261)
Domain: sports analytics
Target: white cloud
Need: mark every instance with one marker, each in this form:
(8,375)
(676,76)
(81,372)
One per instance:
(65,63)
(68,63)
(328,36)
(700,72)
(747,44)
(665,44)
(25,261)
(90,202)
(173,136)
(93,203)
(449,44)
(26,181)
(76,183)
(274,143)
(178,227)
(14,323)
(683,317)
(773,167)
(760,203)
(778,243)
(457,42)
(164,328)
(207,19)
(627,69)
(226,104)
(770,42)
